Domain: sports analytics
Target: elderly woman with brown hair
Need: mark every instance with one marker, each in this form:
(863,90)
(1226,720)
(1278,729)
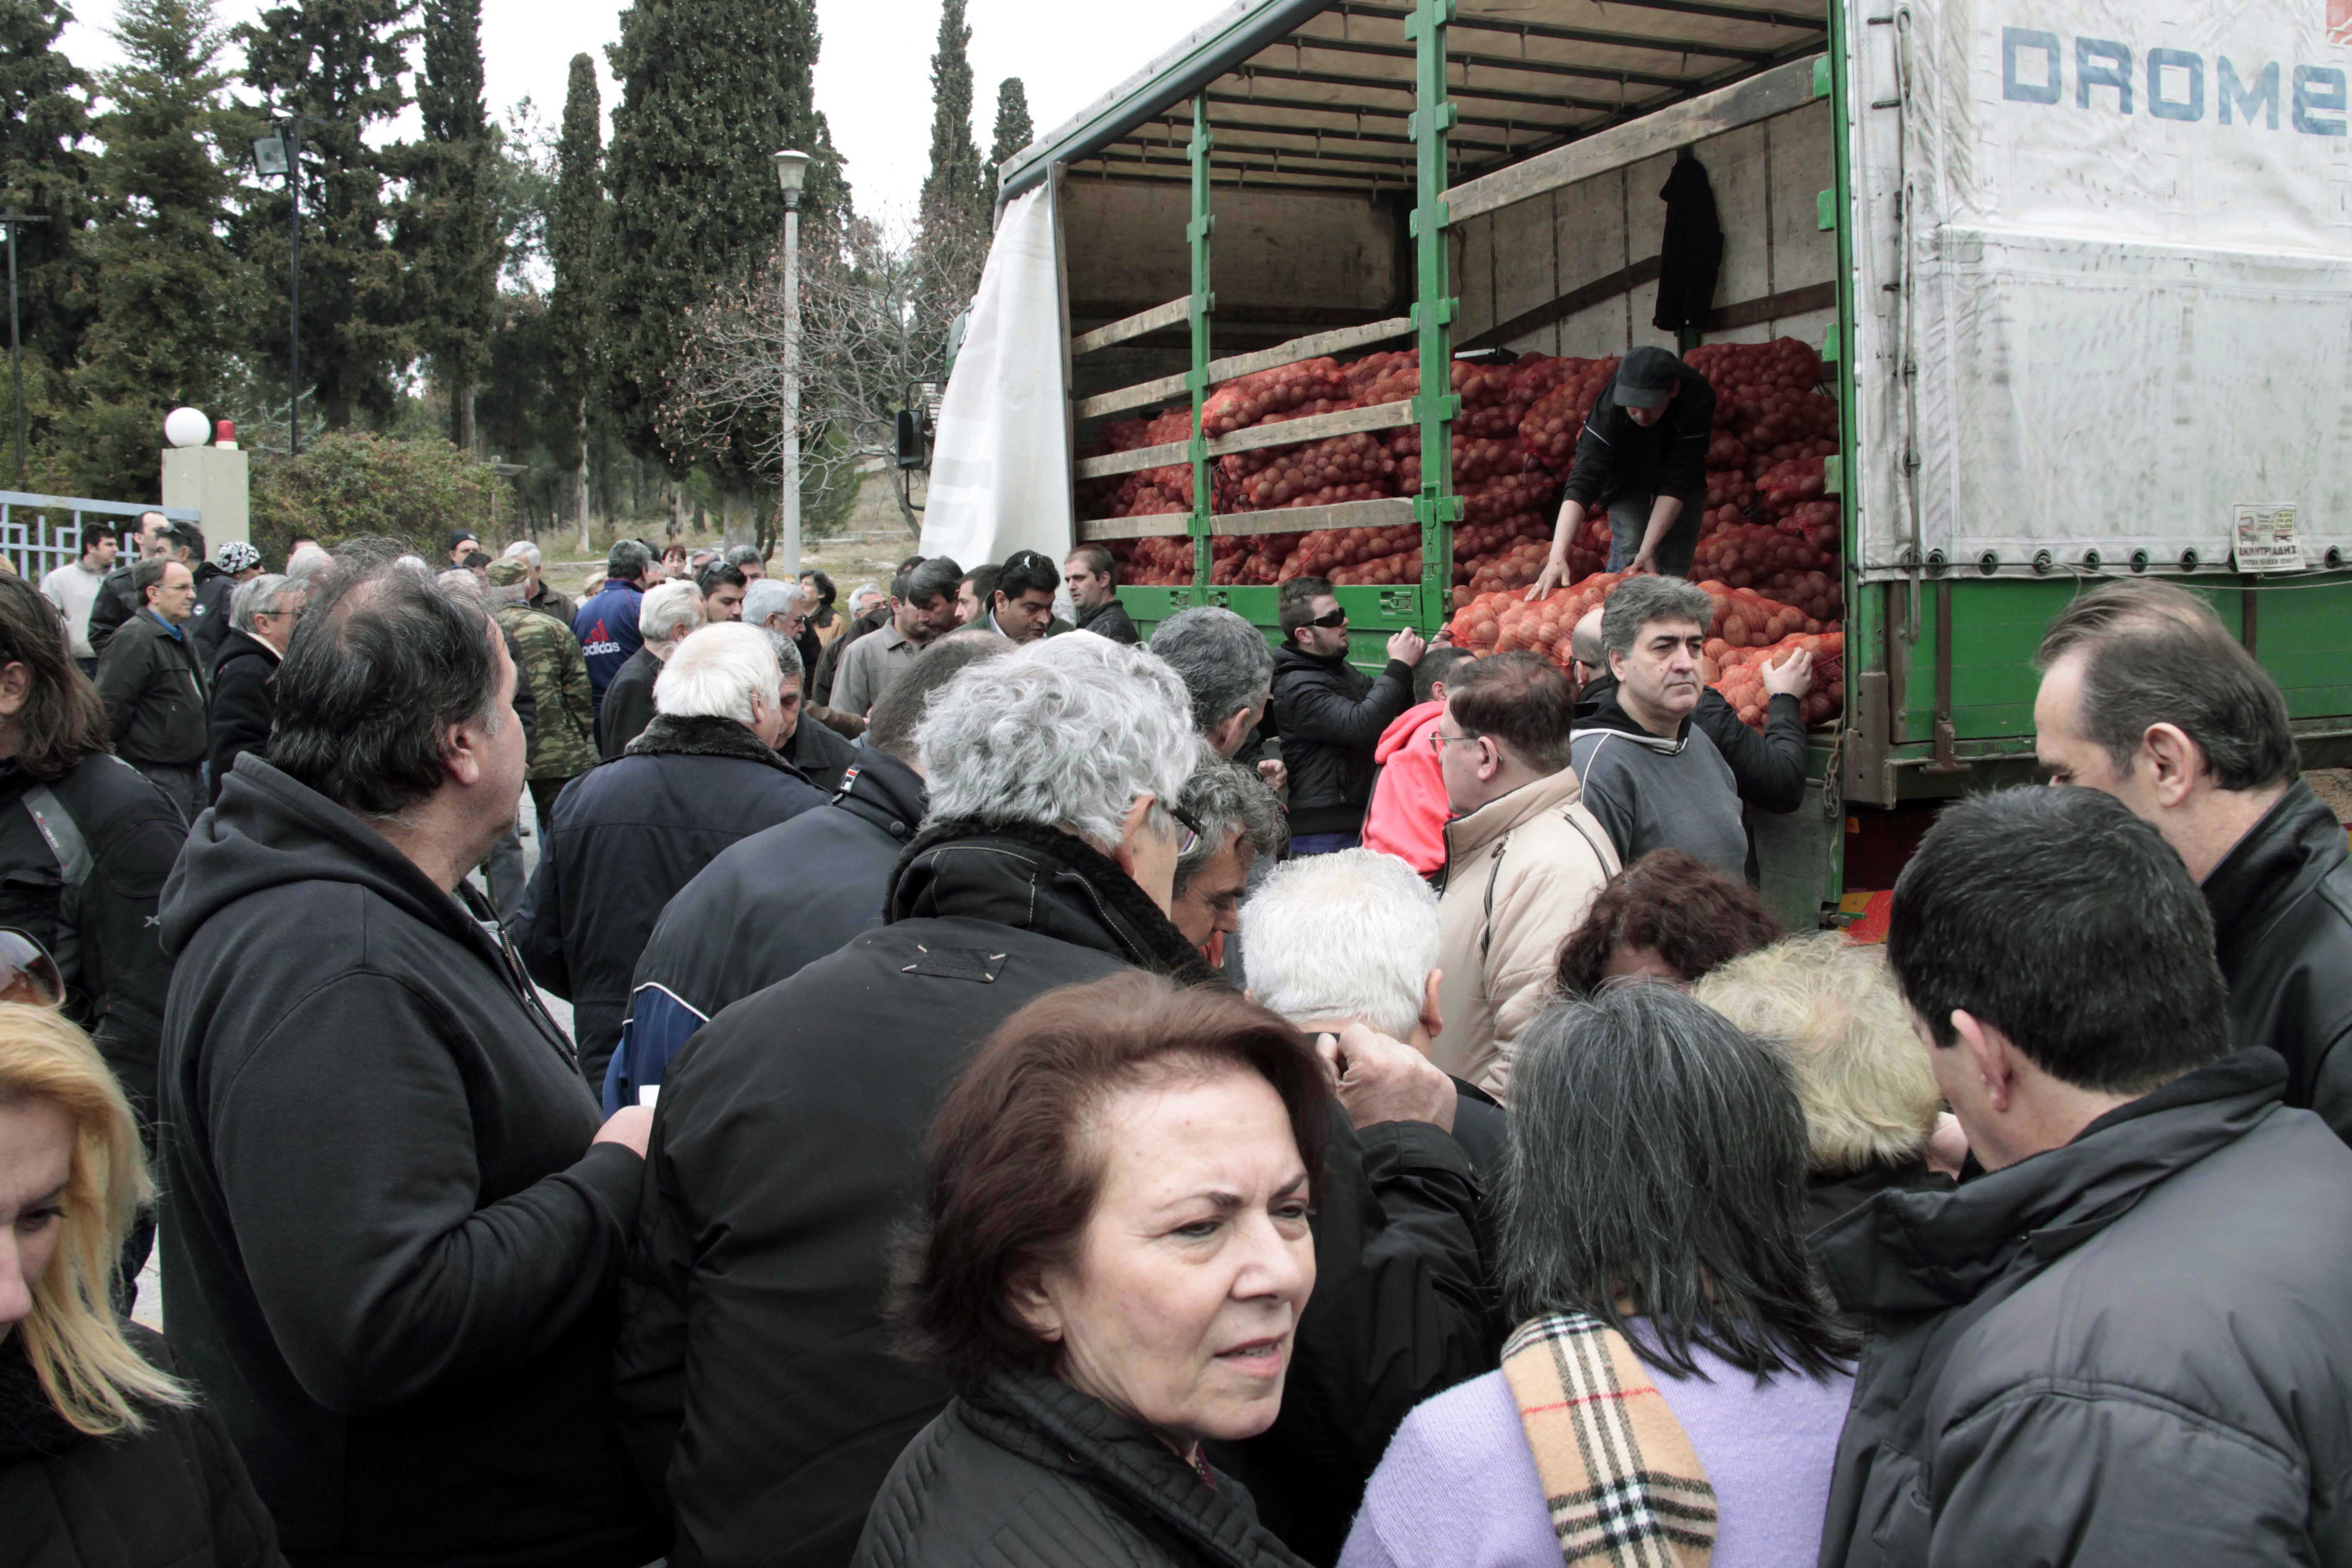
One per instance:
(1668,916)
(105,1454)
(1872,1108)
(1115,1257)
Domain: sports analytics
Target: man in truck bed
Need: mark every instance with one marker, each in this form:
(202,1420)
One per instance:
(1643,456)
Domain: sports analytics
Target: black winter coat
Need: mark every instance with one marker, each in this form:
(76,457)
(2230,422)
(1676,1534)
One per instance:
(627,835)
(1331,715)
(628,704)
(2120,1352)
(154,697)
(821,752)
(174,1496)
(245,702)
(1027,1472)
(116,602)
(1110,619)
(214,588)
(2281,903)
(758,1372)
(389,1245)
(86,886)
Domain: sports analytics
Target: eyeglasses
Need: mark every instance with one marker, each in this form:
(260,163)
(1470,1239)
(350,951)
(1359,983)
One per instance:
(28,972)
(1191,839)
(1335,619)
(1439,740)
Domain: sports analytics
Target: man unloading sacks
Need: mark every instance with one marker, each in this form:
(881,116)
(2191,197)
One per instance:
(1643,456)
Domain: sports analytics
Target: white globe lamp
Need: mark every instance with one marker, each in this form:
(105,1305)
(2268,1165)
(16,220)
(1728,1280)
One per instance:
(187,428)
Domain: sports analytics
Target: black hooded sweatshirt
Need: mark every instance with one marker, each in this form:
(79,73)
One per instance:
(389,1248)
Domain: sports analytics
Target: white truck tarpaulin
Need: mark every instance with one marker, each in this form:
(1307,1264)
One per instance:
(2119,277)
(1001,463)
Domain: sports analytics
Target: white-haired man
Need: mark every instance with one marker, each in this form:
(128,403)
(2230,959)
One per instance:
(667,615)
(629,834)
(780,607)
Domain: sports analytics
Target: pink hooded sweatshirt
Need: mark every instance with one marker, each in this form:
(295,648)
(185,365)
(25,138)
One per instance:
(1408,809)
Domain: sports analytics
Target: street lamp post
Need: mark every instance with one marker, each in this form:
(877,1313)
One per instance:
(280,153)
(792,168)
(13,220)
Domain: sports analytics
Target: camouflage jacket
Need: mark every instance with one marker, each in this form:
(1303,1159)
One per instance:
(566,746)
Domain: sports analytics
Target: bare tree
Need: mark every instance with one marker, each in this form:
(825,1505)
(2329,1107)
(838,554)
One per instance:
(868,296)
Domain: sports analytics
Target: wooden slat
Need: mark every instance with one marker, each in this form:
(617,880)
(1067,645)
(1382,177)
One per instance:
(1787,302)
(1389,513)
(1312,346)
(1134,326)
(1167,525)
(1133,461)
(1581,298)
(1761,96)
(1315,427)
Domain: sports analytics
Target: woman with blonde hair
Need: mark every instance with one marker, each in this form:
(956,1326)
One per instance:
(105,1454)
(1872,1109)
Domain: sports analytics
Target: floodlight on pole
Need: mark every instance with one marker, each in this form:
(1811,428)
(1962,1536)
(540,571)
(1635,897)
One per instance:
(269,154)
(792,168)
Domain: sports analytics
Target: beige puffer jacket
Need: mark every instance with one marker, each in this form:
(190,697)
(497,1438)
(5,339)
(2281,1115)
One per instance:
(1519,874)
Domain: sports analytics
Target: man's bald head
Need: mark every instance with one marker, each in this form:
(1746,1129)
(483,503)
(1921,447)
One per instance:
(1585,647)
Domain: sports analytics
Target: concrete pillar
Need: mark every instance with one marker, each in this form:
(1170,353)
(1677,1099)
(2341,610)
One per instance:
(212,479)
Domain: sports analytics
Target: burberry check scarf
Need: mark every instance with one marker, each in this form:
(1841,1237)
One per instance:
(1625,1487)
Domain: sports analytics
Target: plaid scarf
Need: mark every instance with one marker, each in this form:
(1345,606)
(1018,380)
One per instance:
(1625,1487)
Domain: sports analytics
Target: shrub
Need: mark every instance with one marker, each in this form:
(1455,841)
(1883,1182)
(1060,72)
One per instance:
(355,482)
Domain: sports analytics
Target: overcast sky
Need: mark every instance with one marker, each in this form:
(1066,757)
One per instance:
(873,76)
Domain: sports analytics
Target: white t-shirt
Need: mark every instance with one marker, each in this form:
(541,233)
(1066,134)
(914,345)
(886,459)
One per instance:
(73,588)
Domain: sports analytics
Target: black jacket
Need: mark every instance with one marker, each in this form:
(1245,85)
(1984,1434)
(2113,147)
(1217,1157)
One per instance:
(1330,715)
(1027,1472)
(214,587)
(627,835)
(820,753)
(1615,457)
(758,1373)
(86,886)
(1110,619)
(1768,768)
(2119,1352)
(2281,903)
(1690,253)
(628,704)
(174,1496)
(245,702)
(389,1246)
(116,602)
(154,697)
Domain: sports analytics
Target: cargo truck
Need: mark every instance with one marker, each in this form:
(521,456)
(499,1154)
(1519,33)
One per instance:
(2081,290)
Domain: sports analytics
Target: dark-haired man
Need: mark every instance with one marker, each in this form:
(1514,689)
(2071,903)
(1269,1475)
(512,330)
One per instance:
(922,607)
(1092,578)
(117,600)
(1643,456)
(73,589)
(973,594)
(2120,1345)
(1524,857)
(722,588)
(2145,697)
(1331,715)
(1021,605)
(396,1221)
(606,626)
(154,691)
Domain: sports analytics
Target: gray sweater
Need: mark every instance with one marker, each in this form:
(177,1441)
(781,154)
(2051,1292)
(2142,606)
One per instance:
(1654,794)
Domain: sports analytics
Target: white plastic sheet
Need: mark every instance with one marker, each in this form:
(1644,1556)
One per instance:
(2104,277)
(1001,462)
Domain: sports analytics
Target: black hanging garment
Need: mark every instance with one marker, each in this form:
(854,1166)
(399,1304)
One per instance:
(1692,250)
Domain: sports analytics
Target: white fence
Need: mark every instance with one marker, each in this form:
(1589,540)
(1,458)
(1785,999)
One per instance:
(35,542)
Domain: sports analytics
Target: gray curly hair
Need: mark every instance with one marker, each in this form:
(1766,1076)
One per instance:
(1064,734)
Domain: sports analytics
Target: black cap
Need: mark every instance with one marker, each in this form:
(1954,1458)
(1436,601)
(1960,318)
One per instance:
(1646,378)
(459,536)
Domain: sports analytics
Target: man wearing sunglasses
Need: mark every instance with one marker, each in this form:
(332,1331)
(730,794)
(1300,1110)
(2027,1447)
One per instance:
(1331,715)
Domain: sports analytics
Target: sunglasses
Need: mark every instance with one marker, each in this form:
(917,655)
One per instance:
(1192,838)
(1335,619)
(27,973)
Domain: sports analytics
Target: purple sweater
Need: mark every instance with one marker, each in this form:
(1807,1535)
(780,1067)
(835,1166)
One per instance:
(1458,1486)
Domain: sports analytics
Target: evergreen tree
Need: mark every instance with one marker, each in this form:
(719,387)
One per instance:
(44,114)
(1014,131)
(953,192)
(340,61)
(454,233)
(169,293)
(709,90)
(575,227)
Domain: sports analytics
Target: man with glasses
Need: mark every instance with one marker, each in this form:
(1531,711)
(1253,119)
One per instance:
(155,693)
(1524,857)
(262,614)
(1330,715)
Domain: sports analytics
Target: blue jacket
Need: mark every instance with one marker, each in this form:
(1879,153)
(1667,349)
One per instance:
(606,626)
(760,911)
(627,835)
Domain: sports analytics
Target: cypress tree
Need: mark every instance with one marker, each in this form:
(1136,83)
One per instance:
(167,289)
(455,238)
(953,193)
(44,114)
(574,230)
(342,61)
(709,90)
(1014,131)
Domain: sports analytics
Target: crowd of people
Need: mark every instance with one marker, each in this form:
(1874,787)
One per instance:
(1039,1096)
